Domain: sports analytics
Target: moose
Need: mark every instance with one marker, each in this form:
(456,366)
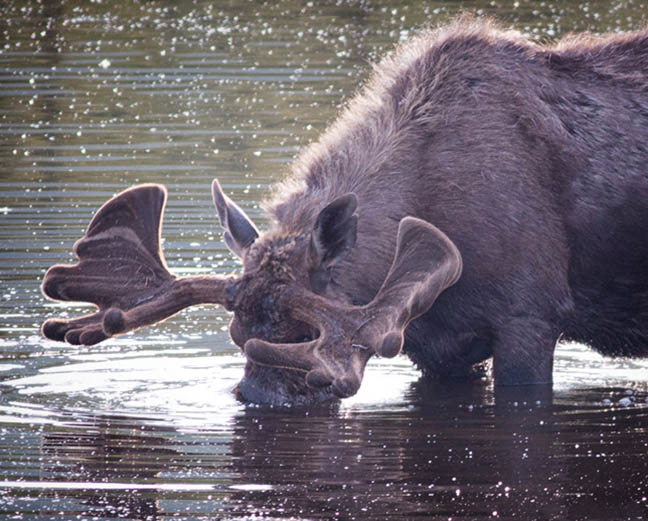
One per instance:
(481,197)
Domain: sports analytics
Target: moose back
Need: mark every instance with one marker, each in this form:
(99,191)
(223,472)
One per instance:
(481,197)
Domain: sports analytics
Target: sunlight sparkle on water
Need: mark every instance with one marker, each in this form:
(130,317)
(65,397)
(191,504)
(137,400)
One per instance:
(101,95)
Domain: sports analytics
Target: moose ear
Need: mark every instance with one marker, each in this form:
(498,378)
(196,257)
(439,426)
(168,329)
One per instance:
(334,233)
(240,231)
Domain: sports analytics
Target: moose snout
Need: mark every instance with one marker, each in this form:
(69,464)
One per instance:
(279,386)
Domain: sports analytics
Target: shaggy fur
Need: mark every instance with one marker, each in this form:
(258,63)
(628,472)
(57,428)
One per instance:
(532,159)
(527,165)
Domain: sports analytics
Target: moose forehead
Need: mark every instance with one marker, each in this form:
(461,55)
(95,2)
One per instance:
(271,263)
(276,257)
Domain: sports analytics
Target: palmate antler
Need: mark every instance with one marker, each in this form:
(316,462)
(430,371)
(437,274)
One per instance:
(121,269)
(425,264)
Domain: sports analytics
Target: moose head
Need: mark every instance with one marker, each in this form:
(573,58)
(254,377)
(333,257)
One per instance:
(303,339)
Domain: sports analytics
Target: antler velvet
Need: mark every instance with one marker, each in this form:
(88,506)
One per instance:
(122,271)
(425,264)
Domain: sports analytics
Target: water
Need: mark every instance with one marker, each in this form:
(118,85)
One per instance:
(97,96)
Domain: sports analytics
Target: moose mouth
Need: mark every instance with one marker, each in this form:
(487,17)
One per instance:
(279,386)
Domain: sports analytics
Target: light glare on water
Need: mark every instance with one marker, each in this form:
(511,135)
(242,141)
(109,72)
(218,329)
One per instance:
(98,96)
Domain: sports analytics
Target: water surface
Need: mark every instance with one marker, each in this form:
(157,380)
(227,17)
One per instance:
(97,96)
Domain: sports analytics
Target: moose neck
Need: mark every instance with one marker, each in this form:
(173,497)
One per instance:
(360,153)
(355,154)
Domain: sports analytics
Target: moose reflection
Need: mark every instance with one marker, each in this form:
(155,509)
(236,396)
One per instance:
(481,197)
(515,453)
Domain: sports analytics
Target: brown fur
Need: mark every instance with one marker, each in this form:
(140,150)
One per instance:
(532,159)
(528,162)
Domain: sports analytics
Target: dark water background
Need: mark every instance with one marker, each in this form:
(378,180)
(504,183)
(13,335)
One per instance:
(99,95)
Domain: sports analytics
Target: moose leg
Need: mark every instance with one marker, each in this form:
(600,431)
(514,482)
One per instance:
(443,353)
(523,352)
(122,271)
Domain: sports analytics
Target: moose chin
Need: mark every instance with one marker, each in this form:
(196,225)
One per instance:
(481,197)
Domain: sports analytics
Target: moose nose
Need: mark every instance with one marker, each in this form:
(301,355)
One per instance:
(279,387)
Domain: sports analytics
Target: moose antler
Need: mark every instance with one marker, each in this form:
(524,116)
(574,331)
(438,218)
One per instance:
(121,269)
(425,264)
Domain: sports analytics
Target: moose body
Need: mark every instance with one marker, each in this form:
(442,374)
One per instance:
(530,162)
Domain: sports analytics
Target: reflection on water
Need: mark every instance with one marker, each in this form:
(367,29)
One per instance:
(434,452)
(96,96)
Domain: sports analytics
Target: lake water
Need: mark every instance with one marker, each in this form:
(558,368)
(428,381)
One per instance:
(98,95)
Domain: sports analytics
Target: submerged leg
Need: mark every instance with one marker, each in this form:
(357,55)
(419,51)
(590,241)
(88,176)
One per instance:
(444,354)
(523,352)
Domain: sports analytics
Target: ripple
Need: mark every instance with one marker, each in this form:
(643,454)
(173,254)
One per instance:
(96,98)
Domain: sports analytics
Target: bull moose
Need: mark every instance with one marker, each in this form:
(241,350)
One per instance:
(482,196)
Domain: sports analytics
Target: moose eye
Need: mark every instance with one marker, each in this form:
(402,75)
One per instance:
(319,279)
(268,303)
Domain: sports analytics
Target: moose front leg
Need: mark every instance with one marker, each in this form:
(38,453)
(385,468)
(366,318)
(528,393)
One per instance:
(122,271)
(523,352)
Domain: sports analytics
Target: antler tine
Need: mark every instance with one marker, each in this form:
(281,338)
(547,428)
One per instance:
(122,271)
(426,263)
(296,356)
